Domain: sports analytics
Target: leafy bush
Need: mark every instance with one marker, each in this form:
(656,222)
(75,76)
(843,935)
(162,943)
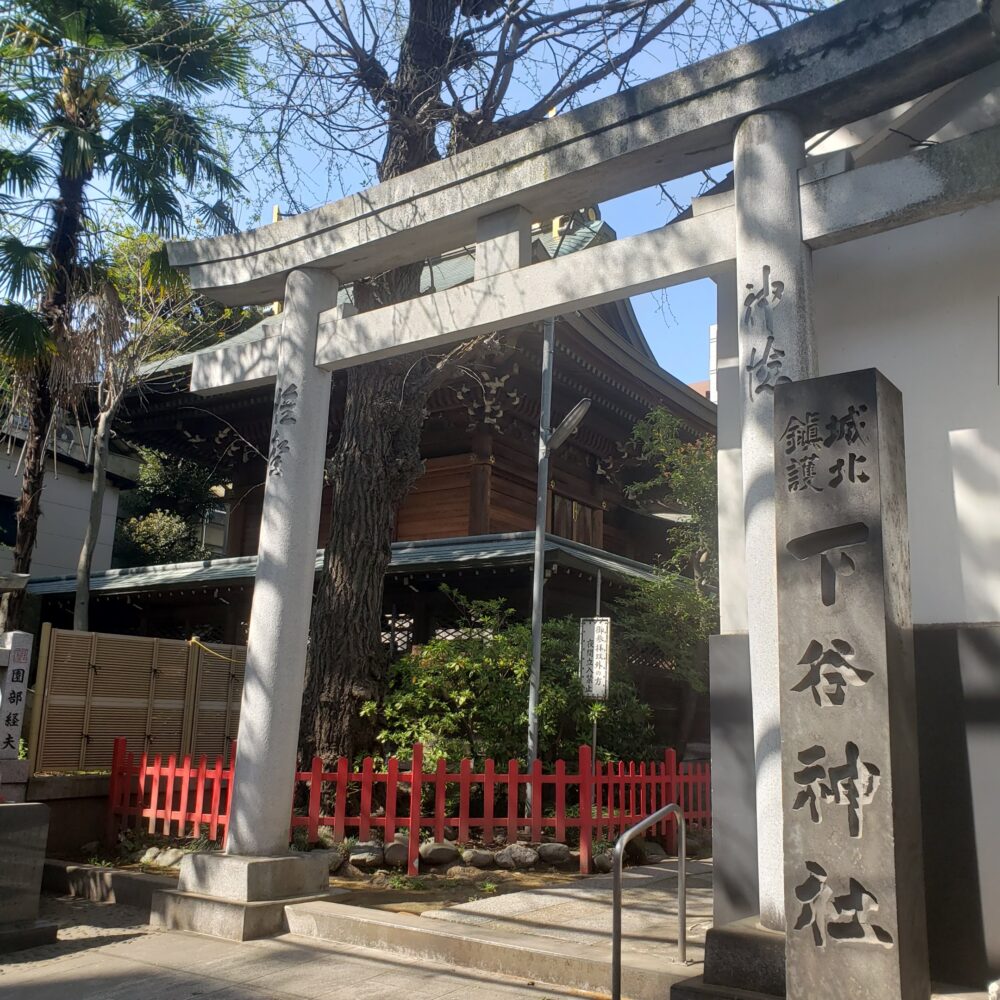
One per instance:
(468,696)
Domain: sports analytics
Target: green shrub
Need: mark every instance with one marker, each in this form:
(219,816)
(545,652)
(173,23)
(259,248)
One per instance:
(468,696)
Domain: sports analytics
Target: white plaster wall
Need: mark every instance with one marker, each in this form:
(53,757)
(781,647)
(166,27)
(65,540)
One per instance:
(65,505)
(921,304)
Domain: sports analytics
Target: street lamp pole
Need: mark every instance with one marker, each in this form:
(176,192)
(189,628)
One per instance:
(548,441)
(541,508)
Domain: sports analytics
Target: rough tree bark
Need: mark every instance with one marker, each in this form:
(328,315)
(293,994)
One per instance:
(377,457)
(64,242)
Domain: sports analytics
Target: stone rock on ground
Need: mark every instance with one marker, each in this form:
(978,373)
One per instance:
(437,853)
(603,863)
(646,852)
(150,855)
(553,854)
(397,854)
(91,847)
(464,873)
(478,858)
(336,861)
(367,854)
(169,858)
(517,856)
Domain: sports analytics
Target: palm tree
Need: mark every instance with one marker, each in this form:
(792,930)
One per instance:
(98,104)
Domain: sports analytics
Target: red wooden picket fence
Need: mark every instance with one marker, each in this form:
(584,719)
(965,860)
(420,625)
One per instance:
(176,799)
(409,799)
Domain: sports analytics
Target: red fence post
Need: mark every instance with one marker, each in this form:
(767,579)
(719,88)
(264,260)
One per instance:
(213,822)
(440,788)
(185,812)
(513,767)
(340,801)
(416,783)
(587,820)
(489,800)
(315,794)
(168,797)
(560,801)
(464,781)
(364,822)
(199,796)
(154,795)
(391,791)
(673,795)
(537,807)
(118,782)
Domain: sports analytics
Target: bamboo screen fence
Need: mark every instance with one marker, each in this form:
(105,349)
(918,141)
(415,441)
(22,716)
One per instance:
(169,696)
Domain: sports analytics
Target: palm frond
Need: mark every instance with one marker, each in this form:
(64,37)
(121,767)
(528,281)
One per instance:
(217,216)
(23,268)
(192,50)
(157,273)
(167,139)
(19,171)
(16,112)
(24,337)
(82,150)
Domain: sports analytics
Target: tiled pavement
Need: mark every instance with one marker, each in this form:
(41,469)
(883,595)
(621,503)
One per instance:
(108,952)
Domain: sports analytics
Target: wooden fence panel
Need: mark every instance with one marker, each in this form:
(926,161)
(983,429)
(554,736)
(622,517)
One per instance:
(98,686)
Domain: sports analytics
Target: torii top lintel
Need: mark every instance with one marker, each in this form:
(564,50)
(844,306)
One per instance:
(838,66)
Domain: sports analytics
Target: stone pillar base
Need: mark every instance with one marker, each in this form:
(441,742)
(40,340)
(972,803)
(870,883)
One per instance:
(743,961)
(241,898)
(29,934)
(14,776)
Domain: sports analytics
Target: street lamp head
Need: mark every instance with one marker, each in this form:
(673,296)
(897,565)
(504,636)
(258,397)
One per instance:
(569,424)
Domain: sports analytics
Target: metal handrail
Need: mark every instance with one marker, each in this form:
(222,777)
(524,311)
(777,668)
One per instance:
(616,918)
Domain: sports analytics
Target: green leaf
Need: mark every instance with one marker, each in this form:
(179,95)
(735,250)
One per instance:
(16,112)
(24,337)
(23,268)
(20,172)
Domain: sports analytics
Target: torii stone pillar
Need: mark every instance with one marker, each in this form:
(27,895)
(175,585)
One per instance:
(286,570)
(242,893)
(777,344)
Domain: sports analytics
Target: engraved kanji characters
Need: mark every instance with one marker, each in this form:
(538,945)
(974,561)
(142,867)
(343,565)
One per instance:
(800,434)
(853,474)
(830,672)
(841,919)
(852,784)
(829,545)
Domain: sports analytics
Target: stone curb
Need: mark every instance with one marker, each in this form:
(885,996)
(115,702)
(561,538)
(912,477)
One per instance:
(103,885)
(488,950)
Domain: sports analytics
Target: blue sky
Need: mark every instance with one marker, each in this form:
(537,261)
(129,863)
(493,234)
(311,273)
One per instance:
(675,320)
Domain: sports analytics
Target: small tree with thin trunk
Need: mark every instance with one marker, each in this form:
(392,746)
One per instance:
(136,312)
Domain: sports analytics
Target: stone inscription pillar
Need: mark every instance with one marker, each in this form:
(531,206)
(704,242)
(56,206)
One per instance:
(286,570)
(777,345)
(854,890)
(13,690)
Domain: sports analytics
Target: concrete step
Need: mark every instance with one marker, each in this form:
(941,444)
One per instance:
(506,953)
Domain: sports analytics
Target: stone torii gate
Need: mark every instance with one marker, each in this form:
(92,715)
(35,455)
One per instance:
(754,105)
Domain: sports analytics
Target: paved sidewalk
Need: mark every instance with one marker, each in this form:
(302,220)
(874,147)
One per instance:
(108,952)
(579,915)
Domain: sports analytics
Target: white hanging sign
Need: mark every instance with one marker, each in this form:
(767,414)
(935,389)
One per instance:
(595,650)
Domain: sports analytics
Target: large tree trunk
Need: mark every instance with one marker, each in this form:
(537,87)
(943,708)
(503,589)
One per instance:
(64,242)
(81,609)
(376,462)
(377,458)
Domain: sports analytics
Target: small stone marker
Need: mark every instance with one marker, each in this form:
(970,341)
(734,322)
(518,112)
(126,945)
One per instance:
(14,690)
(854,888)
